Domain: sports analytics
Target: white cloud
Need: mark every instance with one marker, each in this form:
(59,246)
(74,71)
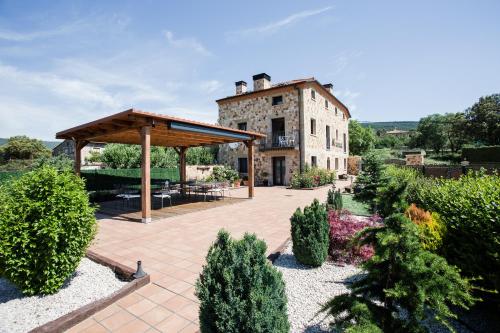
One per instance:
(16,36)
(210,86)
(279,24)
(188,43)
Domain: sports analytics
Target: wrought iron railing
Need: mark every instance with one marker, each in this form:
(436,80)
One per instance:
(280,140)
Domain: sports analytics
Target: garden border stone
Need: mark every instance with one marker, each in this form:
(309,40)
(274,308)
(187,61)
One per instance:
(71,319)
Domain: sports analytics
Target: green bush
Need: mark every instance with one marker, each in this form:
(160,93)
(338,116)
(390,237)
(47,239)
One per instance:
(404,284)
(470,210)
(46,225)
(312,177)
(239,290)
(310,234)
(223,173)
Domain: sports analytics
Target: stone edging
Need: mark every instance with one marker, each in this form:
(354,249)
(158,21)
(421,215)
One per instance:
(273,256)
(309,188)
(71,319)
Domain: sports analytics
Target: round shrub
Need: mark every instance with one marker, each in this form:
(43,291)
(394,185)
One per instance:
(431,229)
(310,234)
(239,290)
(46,225)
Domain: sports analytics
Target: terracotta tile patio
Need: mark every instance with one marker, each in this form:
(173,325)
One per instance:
(173,251)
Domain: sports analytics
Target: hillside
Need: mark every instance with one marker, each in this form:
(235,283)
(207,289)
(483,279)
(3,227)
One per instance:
(48,144)
(390,125)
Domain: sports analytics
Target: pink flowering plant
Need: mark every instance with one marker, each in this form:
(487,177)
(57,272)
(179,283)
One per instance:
(343,227)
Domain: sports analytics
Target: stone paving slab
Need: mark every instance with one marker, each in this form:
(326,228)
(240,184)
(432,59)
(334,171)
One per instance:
(173,251)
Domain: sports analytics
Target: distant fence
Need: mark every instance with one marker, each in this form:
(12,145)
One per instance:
(109,179)
(452,171)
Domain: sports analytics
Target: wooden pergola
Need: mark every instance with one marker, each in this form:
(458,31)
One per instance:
(146,129)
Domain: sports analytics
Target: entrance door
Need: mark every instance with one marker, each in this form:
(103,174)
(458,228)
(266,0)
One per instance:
(279,170)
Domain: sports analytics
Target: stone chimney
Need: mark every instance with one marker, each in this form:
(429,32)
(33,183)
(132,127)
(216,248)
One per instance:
(241,87)
(261,81)
(329,87)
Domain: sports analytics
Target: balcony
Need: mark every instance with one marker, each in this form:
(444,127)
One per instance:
(280,140)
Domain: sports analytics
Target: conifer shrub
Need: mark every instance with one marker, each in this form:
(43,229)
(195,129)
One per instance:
(371,178)
(310,234)
(334,200)
(239,290)
(431,229)
(46,225)
(403,285)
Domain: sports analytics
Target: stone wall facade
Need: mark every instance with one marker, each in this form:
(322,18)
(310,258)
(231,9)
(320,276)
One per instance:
(414,159)
(257,111)
(198,172)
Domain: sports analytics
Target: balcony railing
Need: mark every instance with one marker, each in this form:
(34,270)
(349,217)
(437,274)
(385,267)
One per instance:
(280,140)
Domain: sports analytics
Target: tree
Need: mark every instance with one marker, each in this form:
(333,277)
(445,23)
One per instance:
(24,148)
(484,120)
(361,139)
(431,132)
(403,286)
(371,179)
(455,129)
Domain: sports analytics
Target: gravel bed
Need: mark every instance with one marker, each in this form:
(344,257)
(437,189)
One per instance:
(89,283)
(308,288)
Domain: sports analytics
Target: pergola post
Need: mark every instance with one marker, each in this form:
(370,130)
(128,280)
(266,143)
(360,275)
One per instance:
(250,162)
(182,164)
(146,174)
(79,144)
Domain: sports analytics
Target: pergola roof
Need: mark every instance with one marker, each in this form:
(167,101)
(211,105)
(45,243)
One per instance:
(166,131)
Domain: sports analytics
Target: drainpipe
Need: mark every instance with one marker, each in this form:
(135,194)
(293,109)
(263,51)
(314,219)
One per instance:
(301,128)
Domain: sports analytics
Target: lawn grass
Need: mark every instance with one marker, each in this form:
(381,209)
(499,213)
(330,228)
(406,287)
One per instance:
(355,207)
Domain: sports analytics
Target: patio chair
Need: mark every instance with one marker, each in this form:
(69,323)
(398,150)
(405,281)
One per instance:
(215,189)
(226,188)
(162,195)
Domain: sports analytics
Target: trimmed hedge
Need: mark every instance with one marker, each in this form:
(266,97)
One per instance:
(482,154)
(310,237)
(46,225)
(470,209)
(239,290)
(108,179)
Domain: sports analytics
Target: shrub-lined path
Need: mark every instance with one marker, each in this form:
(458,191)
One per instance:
(173,251)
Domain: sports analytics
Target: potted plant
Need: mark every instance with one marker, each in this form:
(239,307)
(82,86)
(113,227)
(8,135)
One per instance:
(245,180)
(265,180)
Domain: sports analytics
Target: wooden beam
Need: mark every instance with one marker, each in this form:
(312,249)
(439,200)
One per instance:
(250,162)
(146,174)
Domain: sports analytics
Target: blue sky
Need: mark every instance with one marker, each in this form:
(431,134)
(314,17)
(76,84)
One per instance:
(67,62)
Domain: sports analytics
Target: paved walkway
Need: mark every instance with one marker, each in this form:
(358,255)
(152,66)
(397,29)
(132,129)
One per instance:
(173,251)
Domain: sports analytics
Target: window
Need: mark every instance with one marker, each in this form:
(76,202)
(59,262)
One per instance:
(337,135)
(328,163)
(345,143)
(313,95)
(326,104)
(328,137)
(313,126)
(242,126)
(336,111)
(242,165)
(314,161)
(277,100)
(336,163)
(345,163)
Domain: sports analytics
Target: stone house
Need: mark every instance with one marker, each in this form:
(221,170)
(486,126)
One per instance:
(67,147)
(303,120)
